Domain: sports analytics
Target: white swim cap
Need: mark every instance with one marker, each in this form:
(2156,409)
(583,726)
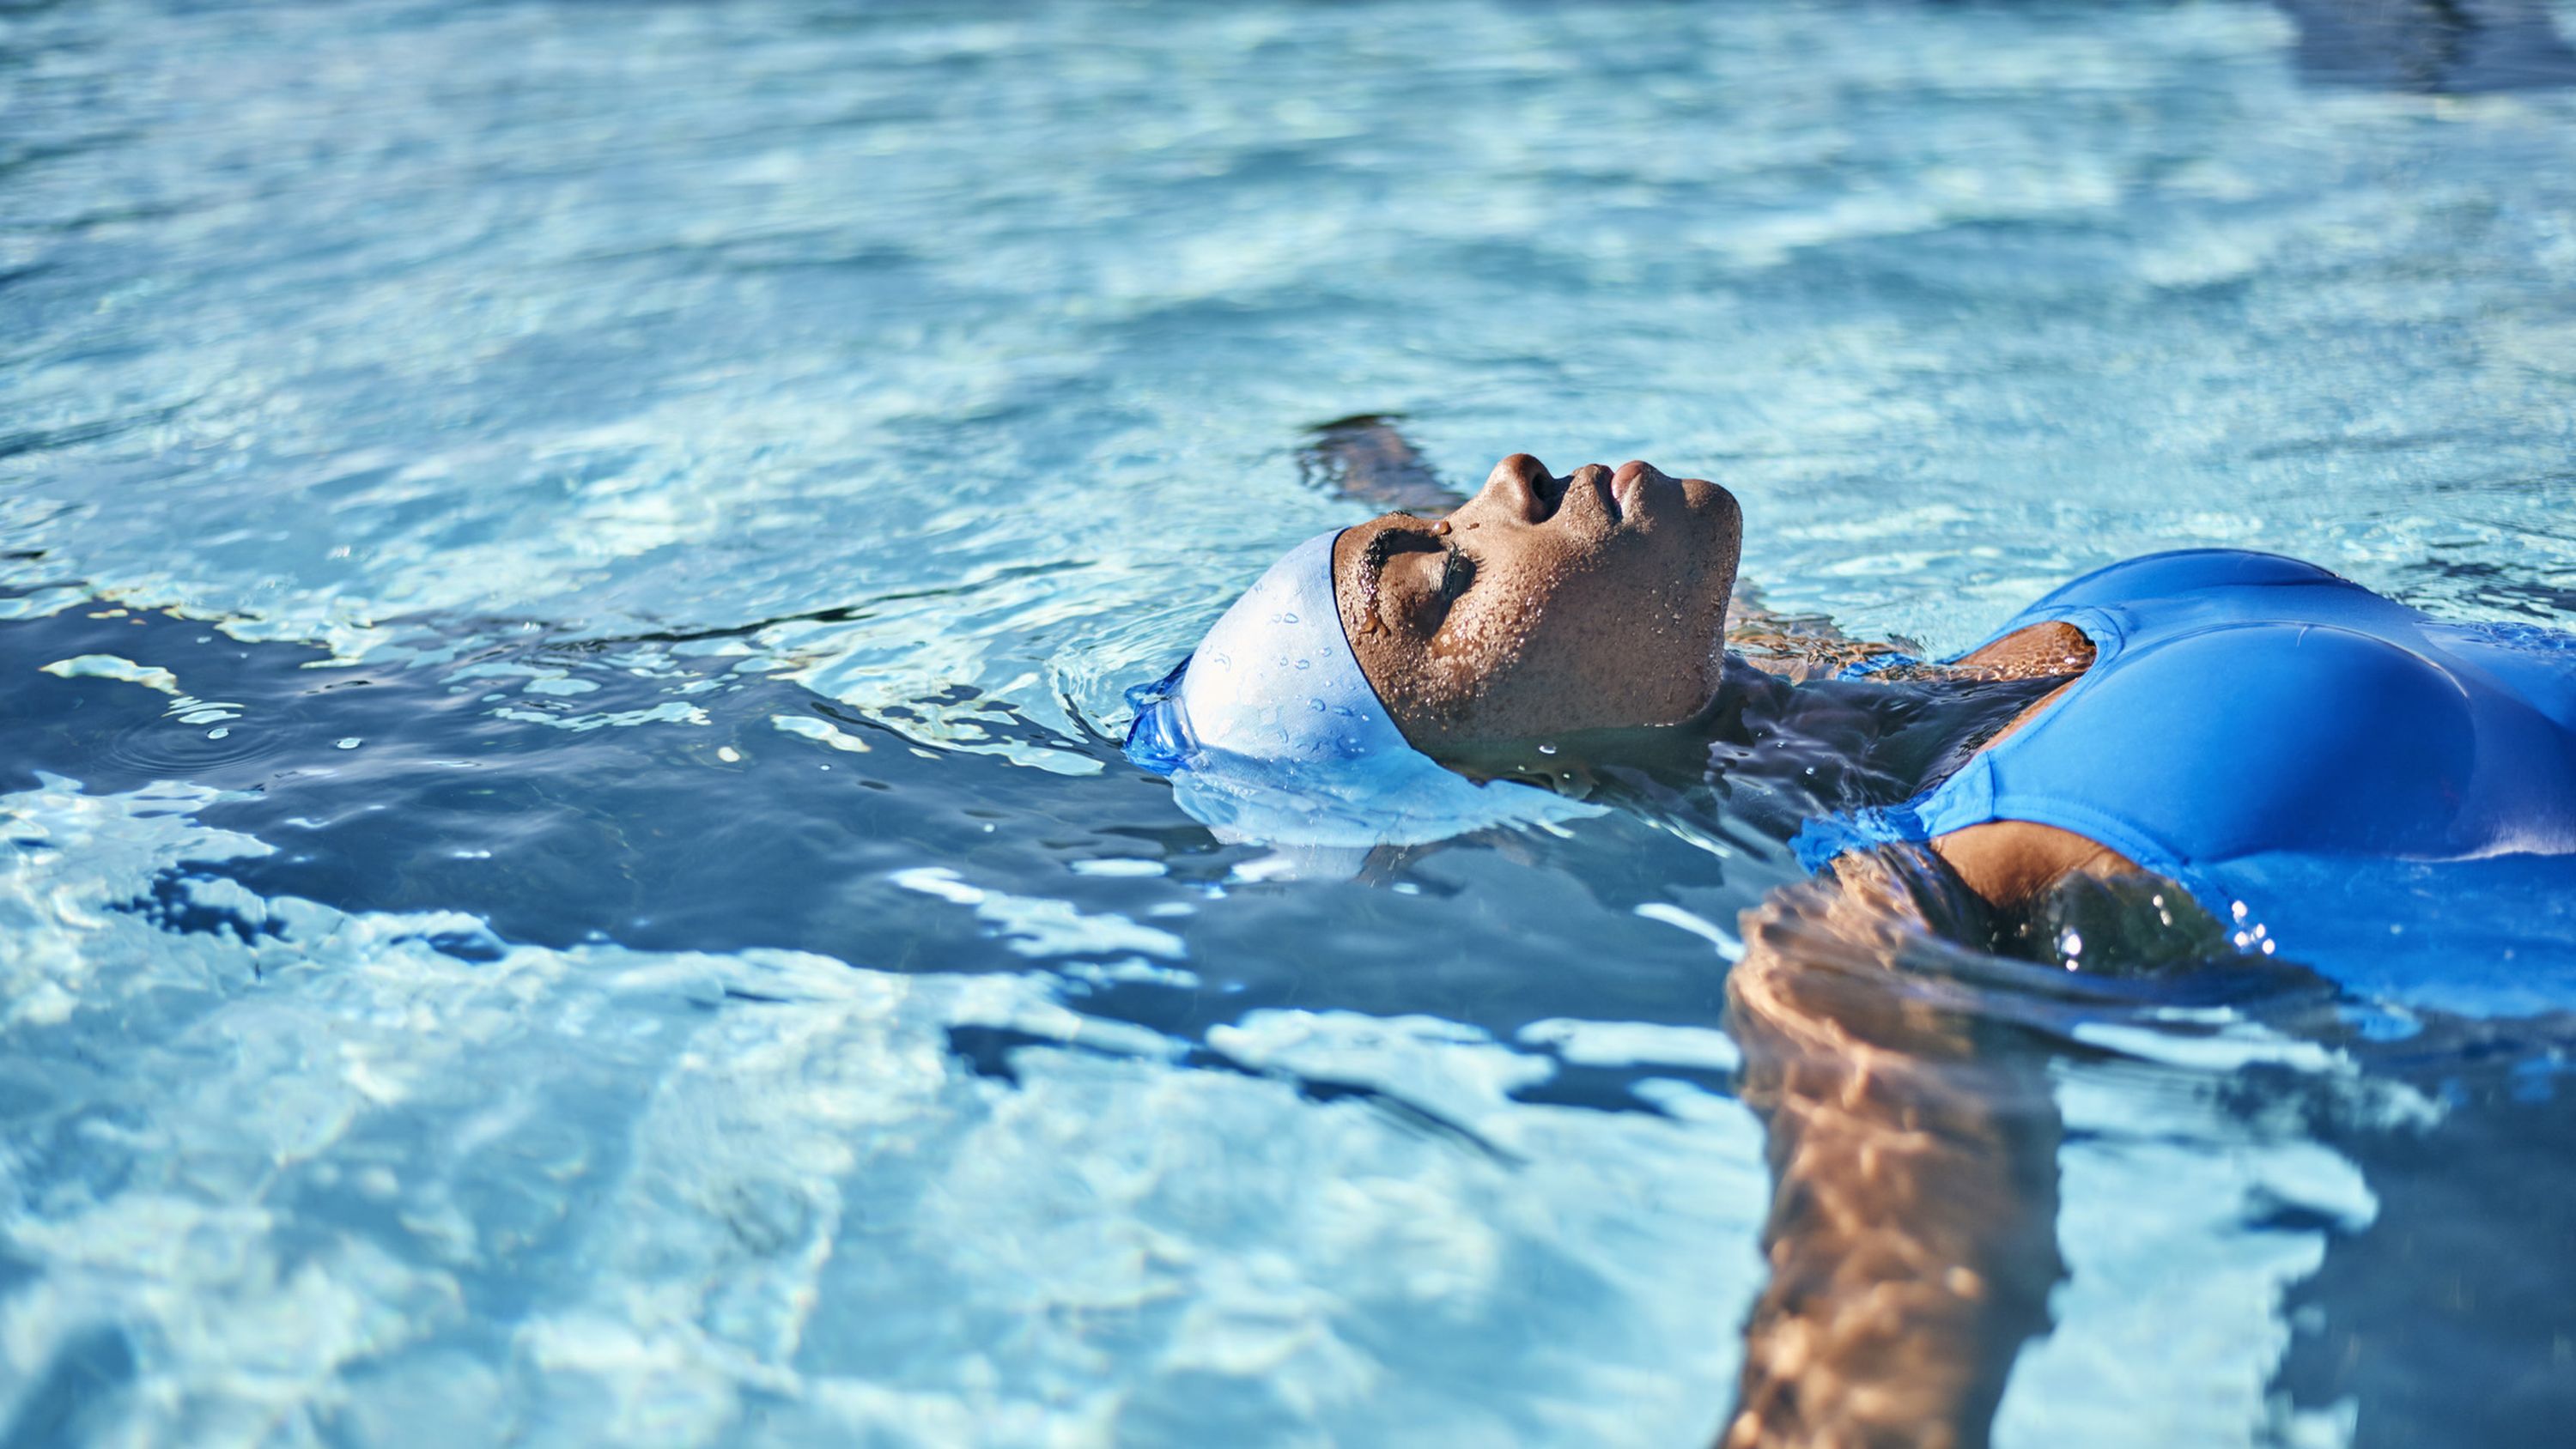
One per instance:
(1271,732)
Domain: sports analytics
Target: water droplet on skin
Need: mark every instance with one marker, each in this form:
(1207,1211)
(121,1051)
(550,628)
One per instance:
(350,743)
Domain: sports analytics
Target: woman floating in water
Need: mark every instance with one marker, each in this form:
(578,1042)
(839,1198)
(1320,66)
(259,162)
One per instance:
(2194,756)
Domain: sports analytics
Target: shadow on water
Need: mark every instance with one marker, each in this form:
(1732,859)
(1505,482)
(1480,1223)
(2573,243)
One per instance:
(2489,586)
(2441,47)
(649,796)
(2450,1318)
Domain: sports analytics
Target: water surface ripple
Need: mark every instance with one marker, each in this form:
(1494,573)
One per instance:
(567,572)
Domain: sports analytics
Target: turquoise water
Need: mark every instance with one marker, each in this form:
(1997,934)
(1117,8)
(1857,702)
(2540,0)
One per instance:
(570,573)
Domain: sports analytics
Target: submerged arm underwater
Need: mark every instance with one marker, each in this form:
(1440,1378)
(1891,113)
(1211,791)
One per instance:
(1911,1239)
(1913,1131)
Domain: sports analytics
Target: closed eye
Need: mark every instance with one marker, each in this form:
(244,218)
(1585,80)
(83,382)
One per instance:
(1457,573)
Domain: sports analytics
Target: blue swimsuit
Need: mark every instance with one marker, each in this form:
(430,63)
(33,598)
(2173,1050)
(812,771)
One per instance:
(2324,767)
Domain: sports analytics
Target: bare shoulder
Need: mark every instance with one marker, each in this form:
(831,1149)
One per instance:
(2034,652)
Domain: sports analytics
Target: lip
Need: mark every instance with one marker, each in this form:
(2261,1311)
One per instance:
(1643,493)
(1633,485)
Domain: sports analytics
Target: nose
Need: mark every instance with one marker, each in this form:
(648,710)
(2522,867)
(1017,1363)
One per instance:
(1521,487)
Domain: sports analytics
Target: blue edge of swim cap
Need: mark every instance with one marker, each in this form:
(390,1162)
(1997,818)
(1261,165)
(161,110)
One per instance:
(1270,732)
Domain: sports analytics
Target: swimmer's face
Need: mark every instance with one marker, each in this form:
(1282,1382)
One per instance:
(1544,605)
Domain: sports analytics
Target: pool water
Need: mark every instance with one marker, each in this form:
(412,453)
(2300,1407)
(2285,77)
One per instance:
(567,580)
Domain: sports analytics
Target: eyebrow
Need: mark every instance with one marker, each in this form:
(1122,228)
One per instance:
(1373,572)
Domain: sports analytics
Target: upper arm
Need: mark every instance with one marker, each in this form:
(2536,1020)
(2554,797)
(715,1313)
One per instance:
(2010,862)
(2042,649)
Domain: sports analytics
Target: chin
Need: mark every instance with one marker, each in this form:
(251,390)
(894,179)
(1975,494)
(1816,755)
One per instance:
(1720,507)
